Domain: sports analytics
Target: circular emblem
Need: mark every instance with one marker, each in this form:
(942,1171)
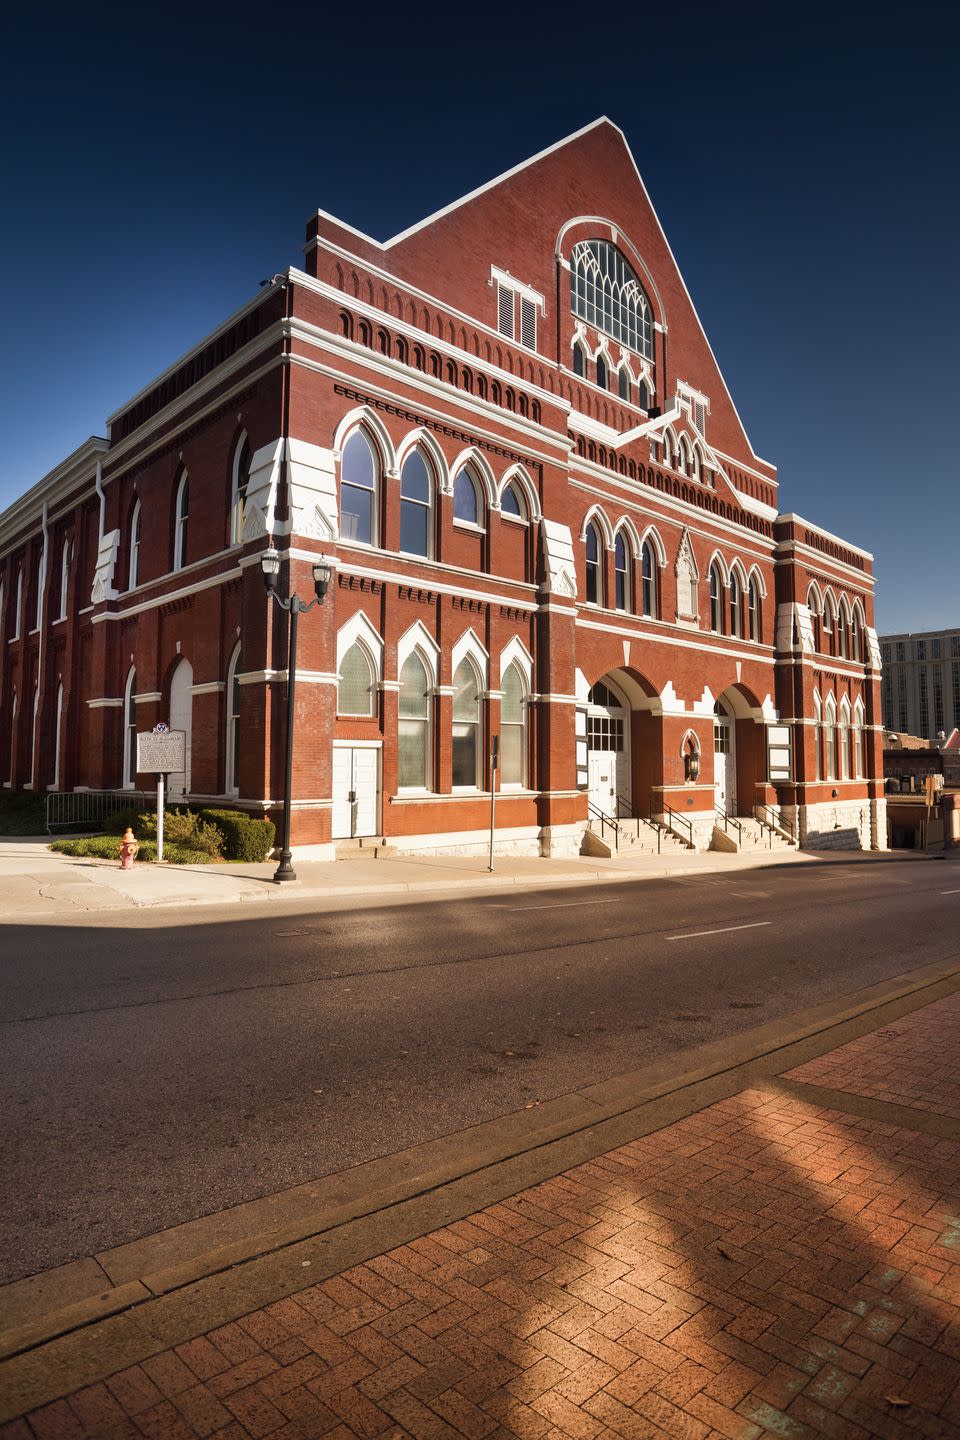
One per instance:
(160,728)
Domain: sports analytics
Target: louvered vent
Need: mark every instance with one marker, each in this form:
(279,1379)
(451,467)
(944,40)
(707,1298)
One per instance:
(528,323)
(700,416)
(505,311)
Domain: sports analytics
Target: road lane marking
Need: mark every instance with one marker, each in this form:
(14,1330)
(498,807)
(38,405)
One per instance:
(560,905)
(720,930)
(950,892)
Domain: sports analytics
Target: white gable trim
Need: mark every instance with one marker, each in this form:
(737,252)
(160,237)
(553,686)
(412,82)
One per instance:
(516,653)
(359,630)
(419,639)
(469,647)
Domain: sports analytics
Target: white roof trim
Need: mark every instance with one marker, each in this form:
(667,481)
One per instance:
(827,535)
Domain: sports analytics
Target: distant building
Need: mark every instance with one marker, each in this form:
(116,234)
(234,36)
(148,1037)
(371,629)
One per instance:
(921,682)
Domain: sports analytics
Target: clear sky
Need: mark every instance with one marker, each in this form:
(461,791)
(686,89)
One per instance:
(157,164)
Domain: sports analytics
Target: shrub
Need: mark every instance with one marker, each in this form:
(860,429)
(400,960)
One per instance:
(106,847)
(183,828)
(22,815)
(244,836)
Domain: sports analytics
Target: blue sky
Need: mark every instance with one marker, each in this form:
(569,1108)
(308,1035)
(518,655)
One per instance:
(803,164)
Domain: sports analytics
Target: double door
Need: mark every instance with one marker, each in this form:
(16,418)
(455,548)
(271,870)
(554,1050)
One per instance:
(356,790)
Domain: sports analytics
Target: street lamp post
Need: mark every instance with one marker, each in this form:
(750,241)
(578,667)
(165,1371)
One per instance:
(295,607)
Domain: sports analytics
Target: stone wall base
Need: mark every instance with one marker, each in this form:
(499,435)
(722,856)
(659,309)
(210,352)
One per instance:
(841,825)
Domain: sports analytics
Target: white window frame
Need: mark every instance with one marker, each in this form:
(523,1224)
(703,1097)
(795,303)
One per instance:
(19,601)
(430,505)
(181,522)
(238,502)
(419,640)
(232,737)
(64,577)
(129,710)
(521,784)
(133,568)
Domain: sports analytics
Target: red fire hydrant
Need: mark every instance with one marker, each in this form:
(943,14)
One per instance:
(129,846)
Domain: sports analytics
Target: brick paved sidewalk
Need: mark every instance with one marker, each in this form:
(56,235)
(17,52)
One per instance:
(767,1266)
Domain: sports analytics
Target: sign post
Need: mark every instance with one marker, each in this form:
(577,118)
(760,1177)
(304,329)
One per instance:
(163,751)
(494,767)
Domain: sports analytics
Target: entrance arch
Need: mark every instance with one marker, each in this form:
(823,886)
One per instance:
(608,749)
(181,718)
(724,758)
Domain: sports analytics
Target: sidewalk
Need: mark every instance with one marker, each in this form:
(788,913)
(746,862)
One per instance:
(773,1248)
(37,884)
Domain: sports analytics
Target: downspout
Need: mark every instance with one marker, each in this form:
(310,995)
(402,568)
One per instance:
(42,581)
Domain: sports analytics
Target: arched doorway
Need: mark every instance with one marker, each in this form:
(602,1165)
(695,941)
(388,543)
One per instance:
(724,758)
(608,749)
(181,718)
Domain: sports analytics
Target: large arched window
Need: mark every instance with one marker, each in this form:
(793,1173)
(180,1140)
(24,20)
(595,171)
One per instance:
(416,506)
(513,729)
(856,635)
(621,568)
(466,726)
(817,733)
(594,563)
(355,682)
(844,737)
(130,730)
(413,749)
(842,629)
(359,490)
(512,503)
(830,738)
(64,579)
(736,603)
(753,608)
(649,570)
(241,479)
(716,599)
(133,576)
(181,523)
(58,738)
(606,293)
(815,606)
(466,498)
(232,747)
(858,739)
(18,601)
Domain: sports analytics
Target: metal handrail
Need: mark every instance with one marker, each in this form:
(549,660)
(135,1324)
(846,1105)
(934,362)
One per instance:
(673,819)
(605,820)
(729,820)
(776,823)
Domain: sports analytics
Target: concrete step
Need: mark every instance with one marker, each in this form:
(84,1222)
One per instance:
(364,847)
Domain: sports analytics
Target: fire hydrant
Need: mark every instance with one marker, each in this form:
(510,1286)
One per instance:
(129,846)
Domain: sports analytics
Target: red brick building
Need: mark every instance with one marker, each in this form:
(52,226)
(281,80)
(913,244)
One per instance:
(506,431)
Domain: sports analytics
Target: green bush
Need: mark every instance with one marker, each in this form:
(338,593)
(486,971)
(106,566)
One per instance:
(22,814)
(244,836)
(183,828)
(107,847)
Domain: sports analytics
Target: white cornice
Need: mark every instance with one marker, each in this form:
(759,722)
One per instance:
(427,582)
(827,535)
(78,468)
(786,548)
(760,652)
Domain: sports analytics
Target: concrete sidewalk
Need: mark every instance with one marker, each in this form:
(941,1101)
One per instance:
(36,884)
(758,1237)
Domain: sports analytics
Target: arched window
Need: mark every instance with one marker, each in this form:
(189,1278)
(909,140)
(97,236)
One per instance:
(696,464)
(643,397)
(830,621)
(414,726)
(856,636)
(513,729)
(232,748)
(816,617)
(355,682)
(683,455)
(64,578)
(601,372)
(359,490)
(817,733)
(623,383)
(579,361)
(241,479)
(842,630)
(466,726)
(858,740)
(38,608)
(416,506)
(511,503)
(753,602)
(18,600)
(181,524)
(736,603)
(594,557)
(606,293)
(13,739)
(830,738)
(716,599)
(844,736)
(621,569)
(466,498)
(130,730)
(58,738)
(133,578)
(649,569)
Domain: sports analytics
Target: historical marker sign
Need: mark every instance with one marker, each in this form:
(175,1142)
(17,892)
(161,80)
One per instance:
(162,752)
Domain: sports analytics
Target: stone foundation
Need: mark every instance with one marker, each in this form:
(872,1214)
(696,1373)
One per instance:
(841,825)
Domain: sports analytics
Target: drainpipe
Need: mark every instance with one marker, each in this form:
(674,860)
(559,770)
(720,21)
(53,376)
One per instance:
(40,619)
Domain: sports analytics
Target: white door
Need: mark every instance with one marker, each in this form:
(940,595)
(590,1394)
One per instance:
(602,773)
(724,762)
(356,787)
(181,718)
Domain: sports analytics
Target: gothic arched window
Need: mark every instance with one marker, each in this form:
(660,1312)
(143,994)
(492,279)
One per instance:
(606,293)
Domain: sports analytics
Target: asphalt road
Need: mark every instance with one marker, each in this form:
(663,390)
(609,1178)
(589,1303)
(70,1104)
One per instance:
(151,1075)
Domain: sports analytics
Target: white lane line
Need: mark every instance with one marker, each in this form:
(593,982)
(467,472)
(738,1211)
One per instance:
(720,930)
(560,905)
(950,892)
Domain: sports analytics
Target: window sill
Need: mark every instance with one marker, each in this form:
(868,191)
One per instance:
(469,526)
(413,555)
(514,519)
